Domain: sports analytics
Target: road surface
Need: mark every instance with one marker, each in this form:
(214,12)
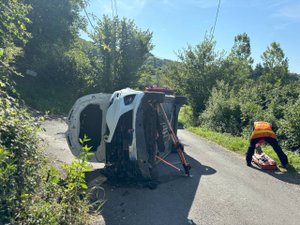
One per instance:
(222,189)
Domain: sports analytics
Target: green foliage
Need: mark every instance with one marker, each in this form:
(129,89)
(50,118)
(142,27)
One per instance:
(185,116)
(55,26)
(257,72)
(173,76)
(243,96)
(74,191)
(290,126)
(54,99)
(19,155)
(265,101)
(68,67)
(236,72)
(154,71)
(222,111)
(57,56)
(275,64)
(199,70)
(20,158)
(241,48)
(155,62)
(147,76)
(122,48)
(13,32)
(77,69)
(254,100)
(58,201)
(10,137)
(80,67)
(28,195)
(237,67)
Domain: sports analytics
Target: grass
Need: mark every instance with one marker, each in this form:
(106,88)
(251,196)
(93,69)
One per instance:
(240,146)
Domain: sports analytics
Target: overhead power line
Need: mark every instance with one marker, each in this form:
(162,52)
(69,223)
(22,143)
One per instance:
(114,8)
(216,19)
(87,15)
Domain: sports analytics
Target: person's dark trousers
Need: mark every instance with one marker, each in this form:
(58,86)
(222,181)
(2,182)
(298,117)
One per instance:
(274,143)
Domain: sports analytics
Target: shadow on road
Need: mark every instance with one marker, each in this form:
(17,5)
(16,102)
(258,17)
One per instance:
(291,177)
(169,203)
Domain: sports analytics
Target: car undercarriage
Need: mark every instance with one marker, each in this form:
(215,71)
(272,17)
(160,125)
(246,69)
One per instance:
(127,129)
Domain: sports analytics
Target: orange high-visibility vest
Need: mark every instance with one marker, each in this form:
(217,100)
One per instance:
(263,129)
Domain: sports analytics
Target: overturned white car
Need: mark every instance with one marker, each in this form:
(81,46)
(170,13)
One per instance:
(126,128)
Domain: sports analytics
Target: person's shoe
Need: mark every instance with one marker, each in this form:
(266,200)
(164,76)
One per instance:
(249,164)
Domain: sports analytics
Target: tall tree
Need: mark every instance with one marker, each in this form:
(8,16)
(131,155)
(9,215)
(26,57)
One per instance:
(122,47)
(237,66)
(55,25)
(275,64)
(200,70)
(241,48)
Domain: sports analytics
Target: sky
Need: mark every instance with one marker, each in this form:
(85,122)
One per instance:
(178,23)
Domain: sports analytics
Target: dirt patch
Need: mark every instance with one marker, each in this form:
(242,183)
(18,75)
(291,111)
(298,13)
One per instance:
(56,146)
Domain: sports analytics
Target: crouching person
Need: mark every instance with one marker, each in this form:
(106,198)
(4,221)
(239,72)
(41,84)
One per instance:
(263,132)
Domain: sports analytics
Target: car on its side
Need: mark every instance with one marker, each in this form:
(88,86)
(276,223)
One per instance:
(126,129)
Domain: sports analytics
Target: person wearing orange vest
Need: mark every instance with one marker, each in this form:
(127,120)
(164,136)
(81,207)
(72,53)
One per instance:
(263,132)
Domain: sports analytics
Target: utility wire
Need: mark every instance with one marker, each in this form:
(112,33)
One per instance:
(87,15)
(216,19)
(114,9)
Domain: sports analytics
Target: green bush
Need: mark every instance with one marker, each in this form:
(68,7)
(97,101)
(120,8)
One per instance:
(222,111)
(185,116)
(56,99)
(30,191)
(20,163)
(290,127)
(61,201)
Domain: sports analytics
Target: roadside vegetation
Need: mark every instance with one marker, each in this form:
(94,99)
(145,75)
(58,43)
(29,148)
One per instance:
(227,94)
(31,190)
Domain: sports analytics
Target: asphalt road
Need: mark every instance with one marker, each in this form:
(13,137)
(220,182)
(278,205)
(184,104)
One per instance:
(221,190)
